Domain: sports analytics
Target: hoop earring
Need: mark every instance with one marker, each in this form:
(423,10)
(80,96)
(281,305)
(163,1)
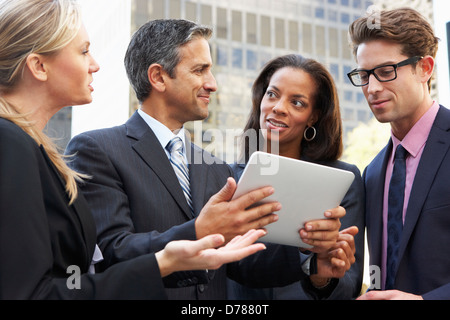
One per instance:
(313,136)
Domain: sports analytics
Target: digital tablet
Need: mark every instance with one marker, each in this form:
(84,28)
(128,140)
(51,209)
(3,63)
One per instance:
(304,189)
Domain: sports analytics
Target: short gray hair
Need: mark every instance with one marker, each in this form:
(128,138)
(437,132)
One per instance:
(158,41)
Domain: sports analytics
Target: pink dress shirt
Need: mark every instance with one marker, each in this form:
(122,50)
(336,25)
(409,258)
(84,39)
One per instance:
(414,142)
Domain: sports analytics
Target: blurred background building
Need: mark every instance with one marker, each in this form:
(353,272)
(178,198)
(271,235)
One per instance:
(249,33)
(246,35)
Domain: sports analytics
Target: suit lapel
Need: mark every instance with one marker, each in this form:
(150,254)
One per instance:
(374,182)
(82,212)
(436,147)
(149,149)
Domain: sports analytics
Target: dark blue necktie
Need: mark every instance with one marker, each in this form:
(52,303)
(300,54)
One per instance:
(395,213)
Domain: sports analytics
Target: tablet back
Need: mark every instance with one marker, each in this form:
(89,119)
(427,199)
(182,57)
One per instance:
(304,189)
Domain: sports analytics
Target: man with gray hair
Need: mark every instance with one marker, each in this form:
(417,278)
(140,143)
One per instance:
(145,192)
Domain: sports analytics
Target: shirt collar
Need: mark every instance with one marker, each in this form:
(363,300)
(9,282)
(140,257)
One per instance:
(162,133)
(416,138)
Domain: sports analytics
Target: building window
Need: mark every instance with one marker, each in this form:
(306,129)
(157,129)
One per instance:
(265,31)
(320,13)
(348,95)
(334,70)
(141,12)
(251,28)
(191,11)
(346,51)
(307,37)
(206,15)
(360,98)
(156,9)
(237,58)
(175,9)
(333,40)
(320,40)
(252,60)
(280,33)
(236,25)
(307,11)
(293,35)
(265,57)
(222,56)
(221,23)
(332,15)
(347,69)
(345,18)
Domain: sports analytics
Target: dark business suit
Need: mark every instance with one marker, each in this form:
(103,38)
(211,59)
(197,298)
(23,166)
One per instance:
(347,287)
(424,266)
(138,203)
(41,235)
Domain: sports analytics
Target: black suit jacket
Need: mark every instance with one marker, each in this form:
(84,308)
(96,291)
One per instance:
(424,266)
(139,206)
(41,235)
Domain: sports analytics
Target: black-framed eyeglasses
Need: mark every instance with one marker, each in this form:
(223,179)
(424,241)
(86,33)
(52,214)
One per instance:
(360,77)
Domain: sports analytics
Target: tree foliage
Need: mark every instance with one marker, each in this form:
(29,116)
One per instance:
(364,143)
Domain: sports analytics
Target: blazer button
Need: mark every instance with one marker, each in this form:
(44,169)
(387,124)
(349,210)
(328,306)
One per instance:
(182,283)
(201,288)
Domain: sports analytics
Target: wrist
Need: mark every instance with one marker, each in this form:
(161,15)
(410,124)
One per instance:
(163,264)
(319,282)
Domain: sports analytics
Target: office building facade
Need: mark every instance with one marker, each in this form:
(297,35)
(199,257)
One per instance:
(246,35)
(249,33)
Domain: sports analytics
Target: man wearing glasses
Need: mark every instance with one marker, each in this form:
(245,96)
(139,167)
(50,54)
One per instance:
(407,184)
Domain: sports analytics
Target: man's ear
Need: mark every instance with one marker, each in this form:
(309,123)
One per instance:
(156,77)
(35,63)
(426,68)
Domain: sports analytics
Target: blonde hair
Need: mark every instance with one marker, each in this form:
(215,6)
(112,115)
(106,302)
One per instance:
(43,27)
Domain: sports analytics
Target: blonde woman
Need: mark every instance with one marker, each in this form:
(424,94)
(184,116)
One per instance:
(47,234)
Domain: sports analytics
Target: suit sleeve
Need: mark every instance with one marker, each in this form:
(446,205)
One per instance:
(441,293)
(276,266)
(349,286)
(109,203)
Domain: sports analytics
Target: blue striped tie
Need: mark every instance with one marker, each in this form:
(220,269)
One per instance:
(395,213)
(175,148)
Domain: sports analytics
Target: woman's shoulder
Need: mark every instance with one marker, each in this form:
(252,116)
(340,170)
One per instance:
(13,136)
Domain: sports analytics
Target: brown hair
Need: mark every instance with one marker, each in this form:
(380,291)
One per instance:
(404,26)
(327,144)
